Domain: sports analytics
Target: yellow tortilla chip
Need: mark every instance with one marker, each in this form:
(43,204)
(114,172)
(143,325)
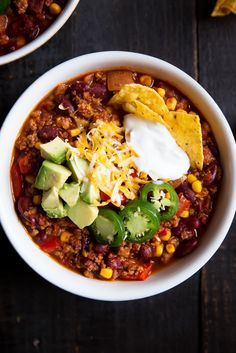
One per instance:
(146,95)
(186,130)
(142,110)
(224,7)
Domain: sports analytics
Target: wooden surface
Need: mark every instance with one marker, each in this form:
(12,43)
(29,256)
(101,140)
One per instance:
(198,315)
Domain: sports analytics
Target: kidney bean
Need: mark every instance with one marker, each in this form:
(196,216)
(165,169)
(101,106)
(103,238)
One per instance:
(115,263)
(48,133)
(145,251)
(186,229)
(188,193)
(23,205)
(210,174)
(41,237)
(186,247)
(101,248)
(79,87)
(193,222)
(99,91)
(176,231)
(65,102)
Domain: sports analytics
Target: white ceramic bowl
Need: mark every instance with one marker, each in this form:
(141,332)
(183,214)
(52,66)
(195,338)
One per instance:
(42,38)
(168,277)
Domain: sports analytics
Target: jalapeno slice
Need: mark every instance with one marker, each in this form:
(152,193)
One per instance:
(4,5)
(108,228)
(141,221)
(163,197)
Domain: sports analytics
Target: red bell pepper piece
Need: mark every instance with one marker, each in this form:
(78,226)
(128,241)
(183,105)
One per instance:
(17,180)
(184,204)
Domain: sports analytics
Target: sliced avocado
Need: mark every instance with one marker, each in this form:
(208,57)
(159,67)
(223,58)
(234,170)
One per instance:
(54,151)
(89,192)
(51,174)
(70,193)
(79,167)
(82,214)
(52,204)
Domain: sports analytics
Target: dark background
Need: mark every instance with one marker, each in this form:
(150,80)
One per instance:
(198,315)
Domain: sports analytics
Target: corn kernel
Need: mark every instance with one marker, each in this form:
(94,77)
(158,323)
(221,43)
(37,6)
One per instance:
(197,186)
(65,236)
(37,199)
(168,195)
(37,145)
(191,178)
(55,9)
(29,179)
(192,113)
(166,236)
(165,180)
(170,248)
(146,80)
(184,214)
(106,273)
(161,91)
(74,132)
(20,41)
(181,110)
(158,250)
(171,103)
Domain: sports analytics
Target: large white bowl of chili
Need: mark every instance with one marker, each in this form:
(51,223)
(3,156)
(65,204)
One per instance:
(224,206)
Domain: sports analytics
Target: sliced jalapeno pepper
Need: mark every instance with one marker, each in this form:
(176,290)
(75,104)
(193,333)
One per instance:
(163,197)
(141,221)
(4,5)
(108,227)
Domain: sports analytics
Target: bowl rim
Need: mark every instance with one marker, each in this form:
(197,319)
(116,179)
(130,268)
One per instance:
(111,291)
(43,37)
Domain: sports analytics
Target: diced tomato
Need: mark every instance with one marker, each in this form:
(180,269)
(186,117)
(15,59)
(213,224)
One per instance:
(104,197)
(50,245)
(184,204)
(25,164)
(147,270)
(17,180)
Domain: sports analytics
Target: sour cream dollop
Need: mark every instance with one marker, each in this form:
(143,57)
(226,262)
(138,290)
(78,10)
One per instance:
(158,153)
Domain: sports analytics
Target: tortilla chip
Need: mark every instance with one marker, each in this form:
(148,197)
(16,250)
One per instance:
(186,130)
(146,95)
(224,7)
(142,110)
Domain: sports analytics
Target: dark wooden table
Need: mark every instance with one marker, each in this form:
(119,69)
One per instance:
(198,315)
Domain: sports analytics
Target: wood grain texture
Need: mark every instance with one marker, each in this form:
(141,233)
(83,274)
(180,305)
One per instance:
(217,73)
(35,316)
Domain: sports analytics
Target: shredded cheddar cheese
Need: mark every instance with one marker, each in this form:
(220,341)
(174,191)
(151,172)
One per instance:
(111,161)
